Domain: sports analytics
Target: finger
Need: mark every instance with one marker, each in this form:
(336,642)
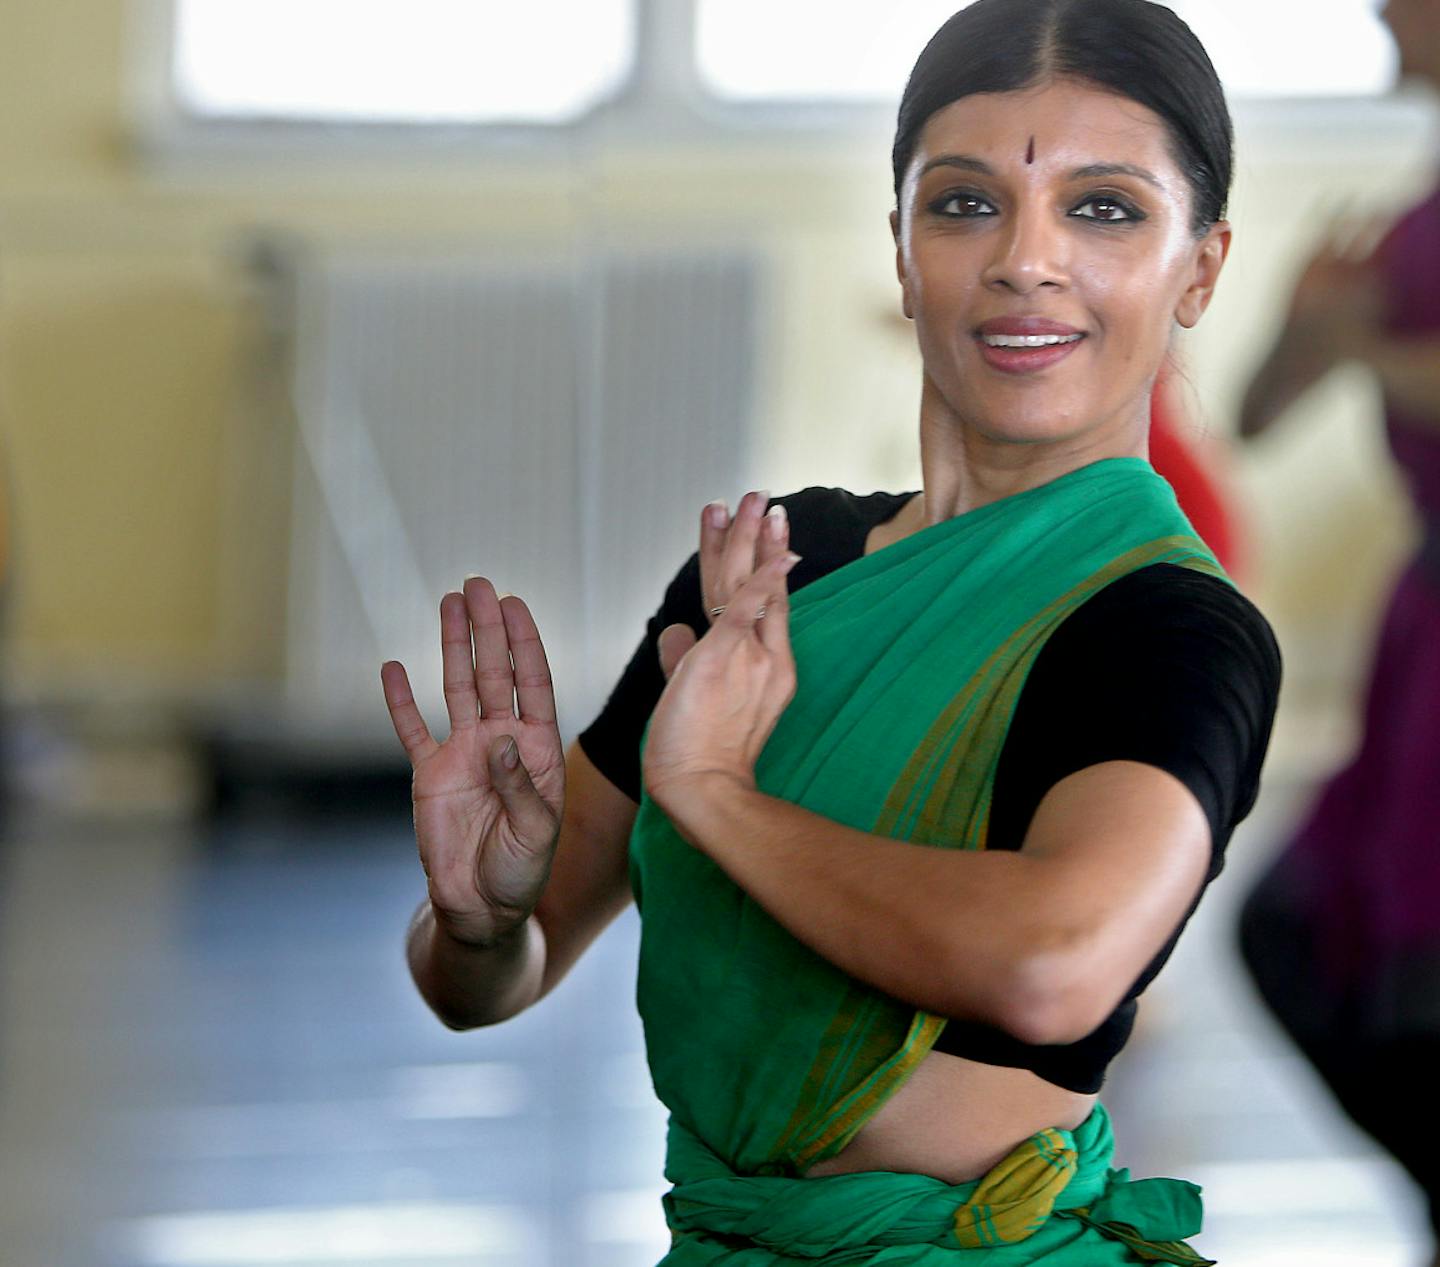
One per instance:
(1358,236)
(529,816)
(749,604)
(534,686)
(1371,238)
(674,642)
(1335,213)
(457,671)
(494,676)
(737,563)
(774,627)
(774,535)
(410,727)
(714,520)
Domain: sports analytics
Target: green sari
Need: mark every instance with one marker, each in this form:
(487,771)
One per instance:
(910,663)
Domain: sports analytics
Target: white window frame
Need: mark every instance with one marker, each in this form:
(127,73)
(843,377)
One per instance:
(164,128)
(663,102)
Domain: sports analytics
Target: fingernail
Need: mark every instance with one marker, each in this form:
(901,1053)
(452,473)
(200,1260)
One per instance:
(473,576)
(788,561)
(510,755)
(718,513)
(775,520)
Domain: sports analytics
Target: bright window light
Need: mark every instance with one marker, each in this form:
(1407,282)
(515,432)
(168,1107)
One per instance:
(1295,48)
(401,61)
(812,50)
(820,50)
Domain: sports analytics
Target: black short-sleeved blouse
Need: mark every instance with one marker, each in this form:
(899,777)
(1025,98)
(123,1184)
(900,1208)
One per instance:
(1165,666)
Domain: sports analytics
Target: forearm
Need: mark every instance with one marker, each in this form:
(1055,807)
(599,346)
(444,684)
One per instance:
(467,985)
(970,935)
(1409,374)
(1293,365)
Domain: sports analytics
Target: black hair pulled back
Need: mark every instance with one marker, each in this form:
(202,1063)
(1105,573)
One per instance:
(1136,48)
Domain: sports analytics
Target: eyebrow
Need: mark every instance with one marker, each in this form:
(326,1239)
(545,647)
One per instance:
(962,161)
(1091,171)
(1115,169)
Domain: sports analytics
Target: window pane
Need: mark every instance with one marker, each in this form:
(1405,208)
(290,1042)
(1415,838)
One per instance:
(409,61)
(812,50)
(816,50)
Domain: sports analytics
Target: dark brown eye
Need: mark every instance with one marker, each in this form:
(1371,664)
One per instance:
(962,205)
(1107,210)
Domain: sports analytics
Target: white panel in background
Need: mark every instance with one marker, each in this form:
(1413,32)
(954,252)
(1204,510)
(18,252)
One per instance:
(416,61)
(552,424)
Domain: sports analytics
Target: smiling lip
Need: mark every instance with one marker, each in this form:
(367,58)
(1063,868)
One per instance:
(1032,356)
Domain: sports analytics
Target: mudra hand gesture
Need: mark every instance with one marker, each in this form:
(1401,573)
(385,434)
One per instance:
(727,690)
(1338,301)
(488,799)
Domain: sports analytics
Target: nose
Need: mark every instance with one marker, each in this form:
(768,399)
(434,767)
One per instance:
(1029,253)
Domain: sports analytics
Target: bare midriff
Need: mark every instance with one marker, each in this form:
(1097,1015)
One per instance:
(955,1119)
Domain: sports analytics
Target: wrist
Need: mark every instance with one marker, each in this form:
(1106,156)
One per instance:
(698,802)
(483,936)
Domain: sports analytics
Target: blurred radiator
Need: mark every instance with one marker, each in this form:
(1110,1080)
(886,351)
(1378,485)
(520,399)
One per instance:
(555,425)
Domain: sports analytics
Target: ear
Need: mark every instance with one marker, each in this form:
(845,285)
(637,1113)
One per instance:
(905,304)
(1210,257)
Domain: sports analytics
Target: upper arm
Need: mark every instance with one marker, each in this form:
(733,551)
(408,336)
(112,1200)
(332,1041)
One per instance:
(612,740)
(1122,850)
(589,879)
(1135,749)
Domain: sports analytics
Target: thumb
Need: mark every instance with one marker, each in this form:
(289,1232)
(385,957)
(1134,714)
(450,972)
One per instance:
(674,642)
(529,816)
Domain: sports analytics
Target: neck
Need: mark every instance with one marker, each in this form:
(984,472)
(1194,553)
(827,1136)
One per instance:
(964,469)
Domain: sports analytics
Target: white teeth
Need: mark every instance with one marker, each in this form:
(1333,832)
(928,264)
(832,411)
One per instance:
(1029,340)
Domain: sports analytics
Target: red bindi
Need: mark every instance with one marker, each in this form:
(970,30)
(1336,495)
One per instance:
(1030,153)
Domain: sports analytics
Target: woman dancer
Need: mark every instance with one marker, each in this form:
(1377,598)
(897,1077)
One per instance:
(908,845)
(1342,935)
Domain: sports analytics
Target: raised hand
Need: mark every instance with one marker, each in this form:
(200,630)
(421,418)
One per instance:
(488,799)
(1338,298)
(731,551)
(726,691)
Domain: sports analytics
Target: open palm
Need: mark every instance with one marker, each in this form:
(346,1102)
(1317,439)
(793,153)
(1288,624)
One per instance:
(488,799)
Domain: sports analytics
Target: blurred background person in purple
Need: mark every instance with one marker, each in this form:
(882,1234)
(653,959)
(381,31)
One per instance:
(1342,934)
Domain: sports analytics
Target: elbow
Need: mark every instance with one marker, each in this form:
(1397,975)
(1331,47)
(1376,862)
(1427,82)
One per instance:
(462,1017)
(455,1022)
(1052,997)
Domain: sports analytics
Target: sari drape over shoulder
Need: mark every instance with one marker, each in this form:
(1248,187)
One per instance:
(910,663)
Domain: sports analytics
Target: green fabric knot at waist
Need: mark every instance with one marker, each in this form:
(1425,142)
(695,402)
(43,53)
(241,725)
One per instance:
(1007,1217)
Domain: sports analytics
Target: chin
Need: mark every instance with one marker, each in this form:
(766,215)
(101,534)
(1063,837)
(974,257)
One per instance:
(1028,425)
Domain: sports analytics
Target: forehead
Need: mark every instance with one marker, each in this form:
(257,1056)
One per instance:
(1073,123)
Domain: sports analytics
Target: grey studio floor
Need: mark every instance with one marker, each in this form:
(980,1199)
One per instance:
(210,1054)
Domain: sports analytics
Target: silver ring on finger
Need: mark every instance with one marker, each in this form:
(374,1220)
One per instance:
(717,612)
(760,615)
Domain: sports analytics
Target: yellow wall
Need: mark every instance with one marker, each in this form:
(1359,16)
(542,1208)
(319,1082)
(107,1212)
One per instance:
(147,464)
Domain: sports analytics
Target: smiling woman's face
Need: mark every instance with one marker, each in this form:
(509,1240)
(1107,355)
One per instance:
(1054,216)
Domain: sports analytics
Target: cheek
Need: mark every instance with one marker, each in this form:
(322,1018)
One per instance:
(944,295)
(1134,298)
